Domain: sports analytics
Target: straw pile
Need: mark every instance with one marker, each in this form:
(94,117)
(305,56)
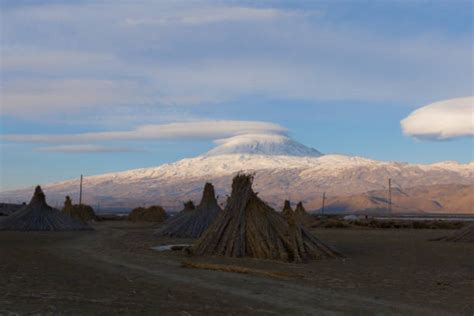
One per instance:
(248,227)
(39,216)
(301,215)
(188,206)
(154,213)
(193,223)
(287,210)
(8,208)
(81,212)
(465,234)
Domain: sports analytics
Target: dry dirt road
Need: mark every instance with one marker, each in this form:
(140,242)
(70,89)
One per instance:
(113,271)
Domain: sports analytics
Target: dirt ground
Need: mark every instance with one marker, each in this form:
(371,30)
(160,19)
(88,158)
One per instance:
(113,271)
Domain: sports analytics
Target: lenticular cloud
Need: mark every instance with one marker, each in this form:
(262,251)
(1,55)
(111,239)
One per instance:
(441,120)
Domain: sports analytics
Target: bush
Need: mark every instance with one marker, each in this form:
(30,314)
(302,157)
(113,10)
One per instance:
(154,213)
(336,224)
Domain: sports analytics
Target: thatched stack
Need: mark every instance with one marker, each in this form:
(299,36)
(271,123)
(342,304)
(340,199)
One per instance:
(287,210)
(154,213)
(193,223)
(308,246)
(67,208)
(188,206)
(248,227)
(8,208)
(81,212)
(38,215)
(465,234)
(301,215)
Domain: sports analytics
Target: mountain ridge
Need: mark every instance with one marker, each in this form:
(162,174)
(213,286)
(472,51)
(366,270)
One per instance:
(299,176)
(263,144)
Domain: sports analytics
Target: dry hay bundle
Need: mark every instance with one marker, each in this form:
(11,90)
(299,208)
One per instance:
(248,227)
(301,215)
(305,242)
(38,216)
(8,208)
(465,234)
(193,223)
(81,212)
(188,206)
(154,213)
(287,210)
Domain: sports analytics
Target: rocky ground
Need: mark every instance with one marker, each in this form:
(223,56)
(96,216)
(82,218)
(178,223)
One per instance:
(113,271)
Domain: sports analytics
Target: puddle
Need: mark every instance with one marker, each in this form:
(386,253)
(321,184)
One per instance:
(171,247)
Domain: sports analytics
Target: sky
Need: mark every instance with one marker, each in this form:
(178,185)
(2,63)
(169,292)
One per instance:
(99,86)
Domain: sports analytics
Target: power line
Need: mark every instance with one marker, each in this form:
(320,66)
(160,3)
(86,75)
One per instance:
(324,200)
(80,192)
(389,195)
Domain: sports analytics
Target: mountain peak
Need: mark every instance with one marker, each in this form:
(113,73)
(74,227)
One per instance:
(262,144)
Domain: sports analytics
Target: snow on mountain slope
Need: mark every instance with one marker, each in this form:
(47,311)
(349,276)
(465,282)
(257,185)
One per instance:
(262,144)
(301,174)
(447,198)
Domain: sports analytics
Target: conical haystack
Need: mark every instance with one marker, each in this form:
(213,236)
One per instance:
(301,215)
(192,224)
(38,215)
(67,208)
(287,210)
(154,213)
(248,227)
(307,246)
(188,206)
(465,234)
(81,212)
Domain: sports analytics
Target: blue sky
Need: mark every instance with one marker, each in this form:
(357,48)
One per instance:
(339,76)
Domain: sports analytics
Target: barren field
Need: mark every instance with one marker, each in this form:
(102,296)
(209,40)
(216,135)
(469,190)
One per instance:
(114,271)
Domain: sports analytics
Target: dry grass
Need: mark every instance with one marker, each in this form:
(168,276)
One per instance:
(248,227)
(111,217)
(154,213)
(407,224)
(464,235)
(339,222)
(39,216)
(192,222)
(239,269)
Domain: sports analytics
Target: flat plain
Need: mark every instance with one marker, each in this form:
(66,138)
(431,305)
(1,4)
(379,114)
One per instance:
(113,270)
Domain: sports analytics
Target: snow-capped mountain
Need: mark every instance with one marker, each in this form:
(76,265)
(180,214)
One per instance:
(283,169)
(262,144)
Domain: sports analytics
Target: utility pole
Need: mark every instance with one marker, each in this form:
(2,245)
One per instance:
(389,195)
(80,192)
(324,200)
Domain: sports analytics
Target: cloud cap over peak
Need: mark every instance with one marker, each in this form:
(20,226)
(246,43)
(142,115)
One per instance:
(181,130)
(441,120)
(86,148)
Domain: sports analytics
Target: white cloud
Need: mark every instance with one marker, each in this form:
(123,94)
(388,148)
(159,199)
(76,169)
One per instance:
(146,55)
(85,149)
(54,61)
(215,81)
(152,12)
(441,120)
(45,97)
(186,130)
(212,15)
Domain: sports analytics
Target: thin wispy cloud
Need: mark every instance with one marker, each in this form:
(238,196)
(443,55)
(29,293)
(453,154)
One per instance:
(441,120)
(42,97)
(182,131)
(214,15)
(55,61)
(83,73)
(89,148)
(158,54)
